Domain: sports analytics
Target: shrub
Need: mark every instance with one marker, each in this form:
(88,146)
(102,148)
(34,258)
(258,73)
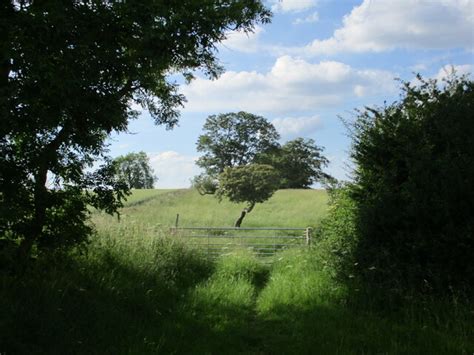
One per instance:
(414,192)
(336,236)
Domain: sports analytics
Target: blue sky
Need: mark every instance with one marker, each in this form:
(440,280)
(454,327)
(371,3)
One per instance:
(316,61)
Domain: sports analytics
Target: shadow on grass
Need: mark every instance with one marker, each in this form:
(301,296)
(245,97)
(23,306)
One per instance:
(112,307)
(242,309)
(104,308)
(288,330)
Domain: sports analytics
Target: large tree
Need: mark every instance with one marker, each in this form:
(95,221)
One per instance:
(234,139)
(251,184)
(242,157)
(237,139)
(134,169)
(231,143)
(68,73)
(299,162)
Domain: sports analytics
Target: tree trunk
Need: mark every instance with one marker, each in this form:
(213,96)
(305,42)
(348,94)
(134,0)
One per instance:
(239,220)
(39,217)
(244,212)
(40,195)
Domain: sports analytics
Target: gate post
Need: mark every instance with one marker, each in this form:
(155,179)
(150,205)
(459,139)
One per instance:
(308,236)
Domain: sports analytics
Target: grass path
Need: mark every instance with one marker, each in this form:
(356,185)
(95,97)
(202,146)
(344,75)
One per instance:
(136,293)
(290,308)
(163,299)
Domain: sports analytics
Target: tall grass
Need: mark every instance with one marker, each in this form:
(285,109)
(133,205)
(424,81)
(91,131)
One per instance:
(312,313)
(112,300)
(142,292)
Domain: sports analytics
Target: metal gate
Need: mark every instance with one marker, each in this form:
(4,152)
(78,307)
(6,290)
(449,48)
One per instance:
(265,242)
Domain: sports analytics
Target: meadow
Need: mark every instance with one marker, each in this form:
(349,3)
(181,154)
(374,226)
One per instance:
(157,209)
(138,290)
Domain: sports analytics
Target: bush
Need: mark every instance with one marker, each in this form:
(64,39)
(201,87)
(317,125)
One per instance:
(336,237)
(414,192)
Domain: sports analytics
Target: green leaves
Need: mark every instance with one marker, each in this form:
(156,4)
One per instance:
(238,139)
(68,74)
(134,169)
(300,164)
(234,139)
(414,192)
(244,162)
(252,183)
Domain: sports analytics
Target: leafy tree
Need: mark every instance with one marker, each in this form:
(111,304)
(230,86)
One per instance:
(299,163)
(240,148)
(231,143)
(135,170)
(234,139)
(251,184)
(68,73)
(413,189)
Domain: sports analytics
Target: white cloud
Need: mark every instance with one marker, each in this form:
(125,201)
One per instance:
(359,90)
(458,69)
(386,24)
(124,146)
(314,17)
(419,67)
(293,5)
(445,71)
(244,42)
(292,85)
(174,170)
(291,127)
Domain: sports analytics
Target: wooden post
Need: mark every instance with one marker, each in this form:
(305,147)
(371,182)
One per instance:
(208,245)
(177,221)
(308,236)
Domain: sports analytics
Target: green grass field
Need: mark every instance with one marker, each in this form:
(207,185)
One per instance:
(158,208)
(150,214)
(139,291)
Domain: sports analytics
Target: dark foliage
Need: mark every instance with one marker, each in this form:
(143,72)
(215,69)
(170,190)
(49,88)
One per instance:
(414,190)
(68,73)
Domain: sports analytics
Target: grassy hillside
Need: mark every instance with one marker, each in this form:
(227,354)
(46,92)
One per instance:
(147,211)
(140,196)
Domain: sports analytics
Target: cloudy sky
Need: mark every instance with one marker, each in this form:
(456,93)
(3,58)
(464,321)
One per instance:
(317,61)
